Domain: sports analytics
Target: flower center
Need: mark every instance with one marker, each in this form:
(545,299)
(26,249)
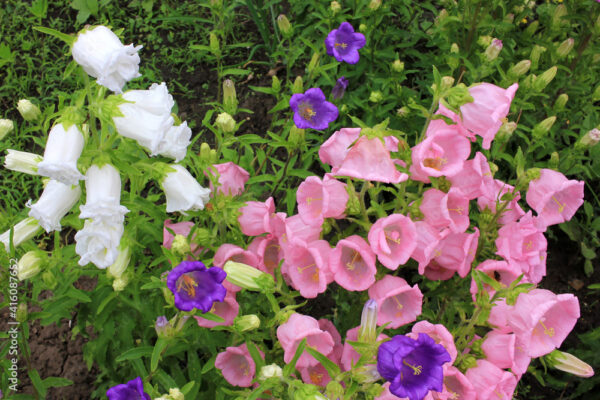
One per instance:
(306,111)
(188,284)
(342,45)
(314,276)
(316,378)
(547,331)
(435,163)
(416,370)
(528,245)
(351,265)
(458,210)
(399,306)
(394,237)
(310,199)
(561,206)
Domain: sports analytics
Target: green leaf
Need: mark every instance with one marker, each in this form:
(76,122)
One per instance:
(254,353)
(57,382)
(211,317)
(331,367)
(135,353)
(160,345)
(78,294)
(235,71)
(68,39)
(105,302)
(210,364)
(37,383)
(289,368)
(588,253)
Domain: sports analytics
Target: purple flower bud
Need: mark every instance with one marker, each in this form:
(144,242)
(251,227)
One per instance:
(343,43)
(161,326)
(195,286)
(132,390)
(311,110)
(340,88)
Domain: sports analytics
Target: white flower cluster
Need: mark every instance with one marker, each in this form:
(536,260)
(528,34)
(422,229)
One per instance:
(146,118)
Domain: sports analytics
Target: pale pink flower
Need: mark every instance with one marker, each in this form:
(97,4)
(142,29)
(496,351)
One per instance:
(455,253)
(352,263)
(298,327)
(231,252)
(492,193)
(441,154)
(387,395)
(428,239)
(503,271)
(439,333)
(267,250)
(237,365)
(443,210)
(179,228)
(307,267)
(227,309)
(456,386)
(490,106)
(316,375)
(319,199)
(370,160)
(554,197)
(349,355)
(505,350)
(334,150)
(338,347)
(491,382)
(397,302)
(255,217)
(296,229)
(543,319)
(231,178)
(473,178)
(499,316)
(393,240)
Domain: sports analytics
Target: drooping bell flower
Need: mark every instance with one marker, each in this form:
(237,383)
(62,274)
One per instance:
(443,210)
(103,194)
(98,242)
(182,190)
(393,239)
(316,375)
(54,203)
(311,110)
(491,382)
(398,303)
(296,229)
(455,253)
(456,386)
(428,239)
(63,149)
(227,309)
(506,350)
(474,176)
(343,43)
(175,142)
(102,55)
(195,286)
(352,263)
(336,353)
(298,327)
(231,178)
(258,217)
(231,252)
(413,367)
(268,251)
(439,333)
(554,197)
(340,88)
(132,390)
(307,267)
(319,199)
(334,150)
(237,365)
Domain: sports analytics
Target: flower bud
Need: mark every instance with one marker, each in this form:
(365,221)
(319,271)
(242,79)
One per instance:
(366,374)
(468,362)
(447,82)
(28,110)
(245,276)
(557,18)
(162,327)
(225,123)
(284,26)
(402,112)
(506,130)
(49,280)
(6,126)
(544,79)
(518,9)
(536,52)
(176,394)
(454,48)
(542,128)
(22,161)
(298,86)
(276,84)
(314,62)
(596,95)
(218,4)
(30,264)
(491,53)
(569,363)
(554,160)
(530,30)
(485,40)
(117,269)
(335,7)
(509,18)
(296,137)
(180,245)
(561,101)
(246,323)
(270,371)
(376,96)
(214,44)
(362,28)
(213,156)
(519,69)
(21,314)
(368,322)
(120,283)
(493,168)
(204,152)
(565,47)
(591,138)
(397,66)
(229,97)
(334,390)
(374,4)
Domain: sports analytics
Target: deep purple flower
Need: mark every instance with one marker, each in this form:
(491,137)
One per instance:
(311,110)
(413,367)
(195,286)
(343,43)
(340,88)
(132,390)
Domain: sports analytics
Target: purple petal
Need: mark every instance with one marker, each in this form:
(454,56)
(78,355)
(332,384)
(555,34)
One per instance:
(346,27)
(352,56)
(315,96)
(295,100)
(330,42)
(359,40)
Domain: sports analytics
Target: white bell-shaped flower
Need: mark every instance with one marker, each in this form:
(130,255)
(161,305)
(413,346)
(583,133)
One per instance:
(102,55)
(176,141)
(54,203)
(98,242)
(103,194)
(182,190)
(22,161)
(63,149)
(22,231)
(148,118)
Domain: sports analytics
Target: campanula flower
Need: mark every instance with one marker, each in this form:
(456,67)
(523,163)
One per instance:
(132,390)
(237,366)
(343,43)
(63,149)
(413,367)
(311,110)
(195,286)
(54,203)
(340,88)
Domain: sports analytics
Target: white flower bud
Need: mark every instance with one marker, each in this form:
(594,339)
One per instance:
(23,231)
(244,275)
(28,110)
(182,190)
(117,269)
(56,201)
(30,264)
(270,371)
(225,122)
(247,323)
(6,126)
(22,161)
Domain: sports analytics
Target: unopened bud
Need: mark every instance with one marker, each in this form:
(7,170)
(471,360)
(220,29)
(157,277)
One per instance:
(569,363)
(6,126)
(21,314)
(468,362)
(245,276)
(491,53)
(561,102)
(284,26)
(519,69)
(204,152)
(276,84)
(49,280)
(270,371)
(362,28)
(544,79)
(374,4)
(22,161)
(398,66)
(557,18)
(298,86)
(176,394)
(542,128)
(493,168)
(216,3)
(335,7)
(117,269)
(30,264)
(554,160)
(225,123)
(509,18)
(506,130)
(376,96)
(120,283)
(162,327)
(485,40)
(532,28)
(368,322)
(591,138)
(314,62)
(246,323)
(180,245)
(229,97)
(212,158)
(402,112)
(214,46)
(565,47)
(296,137)
(334,390)
(454,48)
(28,110)
(536,52)
(447,82)
(518,9)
